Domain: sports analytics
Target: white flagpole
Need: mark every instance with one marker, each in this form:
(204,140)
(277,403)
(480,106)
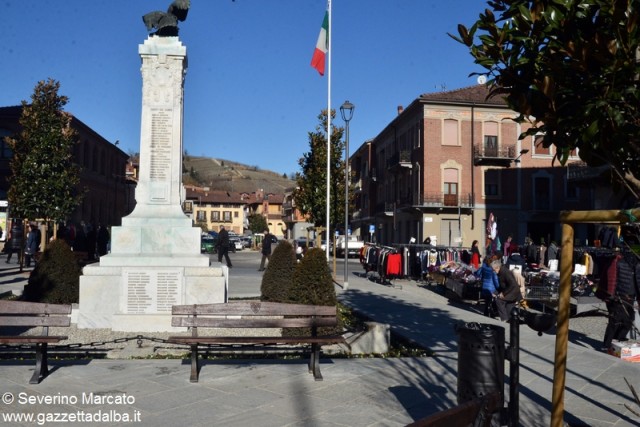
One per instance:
(328,231)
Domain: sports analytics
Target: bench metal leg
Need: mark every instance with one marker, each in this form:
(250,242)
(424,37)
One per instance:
(42,367)
(314,362)
(194,364)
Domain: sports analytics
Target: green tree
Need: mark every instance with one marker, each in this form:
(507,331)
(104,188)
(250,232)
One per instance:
(570,68)
(44,178)
(257,223)
(311,184)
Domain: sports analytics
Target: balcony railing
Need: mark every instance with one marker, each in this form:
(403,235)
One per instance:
(401,159)
(357,185)
(438,199)
(493,156)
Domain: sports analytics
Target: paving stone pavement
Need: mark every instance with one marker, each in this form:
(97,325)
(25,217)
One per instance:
(355,392)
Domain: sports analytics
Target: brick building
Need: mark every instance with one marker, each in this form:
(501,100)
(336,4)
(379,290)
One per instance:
(449,160)
(109,192)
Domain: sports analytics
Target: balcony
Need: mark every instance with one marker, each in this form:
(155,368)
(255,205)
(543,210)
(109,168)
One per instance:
(357,186)
(441,200)
(494,156)
(389,209)
(400,160)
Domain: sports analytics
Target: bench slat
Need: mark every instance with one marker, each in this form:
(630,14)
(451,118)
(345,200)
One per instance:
(259,308)
(30,339)
(212,322)
(35,321)
(328,339)
(22,307)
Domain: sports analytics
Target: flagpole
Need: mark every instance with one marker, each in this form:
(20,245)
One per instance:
(328,231)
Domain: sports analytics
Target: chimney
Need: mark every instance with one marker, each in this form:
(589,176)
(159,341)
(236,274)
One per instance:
(400,109)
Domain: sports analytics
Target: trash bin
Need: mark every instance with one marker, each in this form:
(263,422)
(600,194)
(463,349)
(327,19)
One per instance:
(480,361)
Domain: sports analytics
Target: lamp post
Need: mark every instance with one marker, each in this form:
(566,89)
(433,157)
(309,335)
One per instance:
(346,111)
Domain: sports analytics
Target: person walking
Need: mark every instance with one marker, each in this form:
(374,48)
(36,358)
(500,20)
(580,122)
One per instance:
(16,240)
(268,240)
(506,247)
(33,243)
(490,285)
(102,240)
(223,246)
(475,254)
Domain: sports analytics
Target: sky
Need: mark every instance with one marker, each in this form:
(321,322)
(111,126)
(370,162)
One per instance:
(251,95)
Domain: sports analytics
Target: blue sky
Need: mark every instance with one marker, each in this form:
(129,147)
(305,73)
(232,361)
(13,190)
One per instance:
(250,93)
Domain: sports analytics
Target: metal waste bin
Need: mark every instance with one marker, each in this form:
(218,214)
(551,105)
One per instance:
(480,361)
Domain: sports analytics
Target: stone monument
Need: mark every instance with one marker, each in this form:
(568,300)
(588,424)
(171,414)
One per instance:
(155,260)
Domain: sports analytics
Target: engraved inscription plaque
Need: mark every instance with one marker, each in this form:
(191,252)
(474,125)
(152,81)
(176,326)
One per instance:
(152,292)
(161,132)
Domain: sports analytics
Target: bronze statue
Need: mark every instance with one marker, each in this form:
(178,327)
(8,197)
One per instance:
(166,23)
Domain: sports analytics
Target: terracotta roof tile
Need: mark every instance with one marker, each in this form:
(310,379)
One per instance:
(467,95)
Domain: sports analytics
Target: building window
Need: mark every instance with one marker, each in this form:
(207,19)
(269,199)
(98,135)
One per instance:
(236,214)
(226,216)
(450,136)
(490,139)
(450,188)
(5,149)
(538,148)
(492,183)
(201,216)
(215,216)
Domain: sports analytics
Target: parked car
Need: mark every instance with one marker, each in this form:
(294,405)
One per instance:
(207,244)
(246,241)
(235,244)
(354,245)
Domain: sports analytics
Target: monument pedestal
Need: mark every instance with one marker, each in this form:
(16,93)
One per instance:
(155,259)
(139,298)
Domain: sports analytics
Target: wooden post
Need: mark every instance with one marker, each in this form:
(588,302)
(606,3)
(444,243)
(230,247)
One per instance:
(562,329)
(567,219)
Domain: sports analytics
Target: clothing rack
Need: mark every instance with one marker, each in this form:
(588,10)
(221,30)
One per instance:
(386,261)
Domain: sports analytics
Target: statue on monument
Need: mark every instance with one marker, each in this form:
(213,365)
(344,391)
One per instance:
(166,23)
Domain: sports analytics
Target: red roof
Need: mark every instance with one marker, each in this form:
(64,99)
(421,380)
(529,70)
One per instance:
(468,95)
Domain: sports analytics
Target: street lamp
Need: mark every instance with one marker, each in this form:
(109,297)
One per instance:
(523,151)
(346,111)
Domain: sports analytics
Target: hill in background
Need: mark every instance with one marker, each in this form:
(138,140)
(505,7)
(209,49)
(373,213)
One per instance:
(227,175)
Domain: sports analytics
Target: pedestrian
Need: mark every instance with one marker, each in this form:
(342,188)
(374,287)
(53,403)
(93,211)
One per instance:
(92,237)
(475,254)
(102,240)
(490,286)
(506,247)
(16,240)
(33,244)
(268,240)
(552,256)
(223,246)
(509,289)
(620,303)
(80,242)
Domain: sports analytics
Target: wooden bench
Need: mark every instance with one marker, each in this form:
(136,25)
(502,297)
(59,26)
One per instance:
(32,314)
(262,315)
(474,413)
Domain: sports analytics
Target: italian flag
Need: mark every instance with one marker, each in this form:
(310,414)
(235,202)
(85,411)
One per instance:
(322,46)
